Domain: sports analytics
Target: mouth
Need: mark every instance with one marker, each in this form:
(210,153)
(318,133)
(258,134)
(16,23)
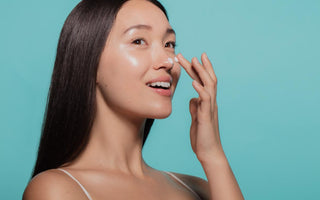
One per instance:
(162,88)
(160,85)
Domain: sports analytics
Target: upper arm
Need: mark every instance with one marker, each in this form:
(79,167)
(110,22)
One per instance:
(199,185)
(52,185)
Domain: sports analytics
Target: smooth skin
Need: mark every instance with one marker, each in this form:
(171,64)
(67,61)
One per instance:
(111,166)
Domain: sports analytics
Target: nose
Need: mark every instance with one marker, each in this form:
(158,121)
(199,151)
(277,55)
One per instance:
(166,62)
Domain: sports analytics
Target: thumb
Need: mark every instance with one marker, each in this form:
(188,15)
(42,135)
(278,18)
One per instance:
(193,107)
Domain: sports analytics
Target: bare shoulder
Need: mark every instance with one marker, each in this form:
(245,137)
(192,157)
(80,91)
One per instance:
(199,185)
(52,184)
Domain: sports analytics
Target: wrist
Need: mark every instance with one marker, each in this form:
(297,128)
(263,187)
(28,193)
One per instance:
(214,156)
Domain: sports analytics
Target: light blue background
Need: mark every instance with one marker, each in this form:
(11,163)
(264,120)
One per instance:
(266,57)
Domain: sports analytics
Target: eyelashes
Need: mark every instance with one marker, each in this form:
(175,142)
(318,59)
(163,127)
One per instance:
(141,41)
(138,41)
(172,43)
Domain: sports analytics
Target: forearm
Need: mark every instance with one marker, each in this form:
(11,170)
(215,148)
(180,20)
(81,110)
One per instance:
(222,182)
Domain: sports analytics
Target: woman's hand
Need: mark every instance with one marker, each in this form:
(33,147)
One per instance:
(204,131)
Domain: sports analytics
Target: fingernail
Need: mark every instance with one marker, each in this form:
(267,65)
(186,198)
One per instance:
(176,59)
(206,55)
(197,61)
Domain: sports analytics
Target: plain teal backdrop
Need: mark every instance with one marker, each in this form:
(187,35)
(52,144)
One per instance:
(266,57)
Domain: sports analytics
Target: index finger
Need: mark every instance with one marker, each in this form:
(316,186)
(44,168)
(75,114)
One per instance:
(188,67)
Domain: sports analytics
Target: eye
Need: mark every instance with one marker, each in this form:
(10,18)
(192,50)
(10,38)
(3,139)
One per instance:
(171,44)
(139,41)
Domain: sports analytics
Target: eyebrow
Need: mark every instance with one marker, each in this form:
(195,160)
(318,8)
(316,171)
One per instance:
(144,26)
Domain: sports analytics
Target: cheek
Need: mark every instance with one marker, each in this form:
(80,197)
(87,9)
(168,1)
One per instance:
(176,71)
(136,60)
(132,59)
(133,67)
(122,70)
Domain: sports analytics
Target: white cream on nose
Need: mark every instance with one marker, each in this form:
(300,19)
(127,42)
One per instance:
(170,60)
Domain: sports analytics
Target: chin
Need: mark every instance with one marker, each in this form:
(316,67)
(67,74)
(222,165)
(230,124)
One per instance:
(161,116)
(161,112)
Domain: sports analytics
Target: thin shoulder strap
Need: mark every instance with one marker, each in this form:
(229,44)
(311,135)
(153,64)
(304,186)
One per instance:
(84,190)
(183,183)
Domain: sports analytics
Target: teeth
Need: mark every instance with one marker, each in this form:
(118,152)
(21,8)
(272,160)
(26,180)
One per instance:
(161,84)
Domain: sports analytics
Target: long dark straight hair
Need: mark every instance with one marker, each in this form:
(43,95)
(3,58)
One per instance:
(71,103)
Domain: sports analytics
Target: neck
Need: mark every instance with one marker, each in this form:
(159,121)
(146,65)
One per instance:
(115,142)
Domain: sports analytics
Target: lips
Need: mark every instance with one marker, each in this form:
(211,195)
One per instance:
(161,79)
(161,91)
(164,92)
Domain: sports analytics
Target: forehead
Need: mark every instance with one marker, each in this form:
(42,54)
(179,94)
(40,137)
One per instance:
(140,12)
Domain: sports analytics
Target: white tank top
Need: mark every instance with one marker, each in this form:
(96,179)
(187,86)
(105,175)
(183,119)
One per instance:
(90,198)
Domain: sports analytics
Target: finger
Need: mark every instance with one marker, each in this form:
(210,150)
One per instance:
(203,74)
(208,65)
(212,84)
(187,66)
(205,98)
(193,108)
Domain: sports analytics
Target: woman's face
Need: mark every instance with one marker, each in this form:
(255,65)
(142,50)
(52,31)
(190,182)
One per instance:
(137,52)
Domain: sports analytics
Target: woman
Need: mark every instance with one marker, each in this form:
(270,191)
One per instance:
(114,73)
